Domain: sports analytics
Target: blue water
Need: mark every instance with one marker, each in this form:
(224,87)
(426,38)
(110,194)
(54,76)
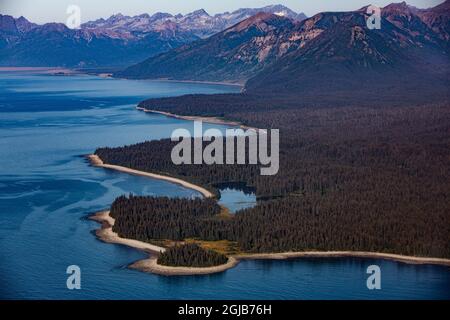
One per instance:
(235,199)
(47,189)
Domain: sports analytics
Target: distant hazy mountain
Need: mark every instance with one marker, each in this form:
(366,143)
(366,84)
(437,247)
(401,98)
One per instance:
(234,54)
(199,22)
(117,41)
(53,44)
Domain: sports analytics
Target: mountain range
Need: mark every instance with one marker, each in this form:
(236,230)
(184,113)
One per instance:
(117,41)
(407,54)
(199,22)
(231,55)
(329,52)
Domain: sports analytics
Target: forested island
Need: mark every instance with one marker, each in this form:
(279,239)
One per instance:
(357,179)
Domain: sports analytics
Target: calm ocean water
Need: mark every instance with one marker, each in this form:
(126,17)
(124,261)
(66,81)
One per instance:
(47,189)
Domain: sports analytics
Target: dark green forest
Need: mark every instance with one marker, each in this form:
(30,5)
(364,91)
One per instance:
(191,255)
(147,218)
(350,178)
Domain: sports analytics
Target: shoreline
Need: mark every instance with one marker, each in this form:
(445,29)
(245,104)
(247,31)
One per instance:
(240,84)
(344,254)
(106,234)
(149,264)
(97,162)
(53,71)
(222,83)
(213,120)
(93,71)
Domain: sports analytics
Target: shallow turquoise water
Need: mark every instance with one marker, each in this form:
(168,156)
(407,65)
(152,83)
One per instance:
(47,189)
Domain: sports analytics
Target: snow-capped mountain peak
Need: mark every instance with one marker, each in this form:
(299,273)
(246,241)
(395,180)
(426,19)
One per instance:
(199,22)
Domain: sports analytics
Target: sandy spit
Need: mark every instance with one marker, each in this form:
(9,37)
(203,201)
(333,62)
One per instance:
(96,161)
(106,234)
(150,265)
(212,120)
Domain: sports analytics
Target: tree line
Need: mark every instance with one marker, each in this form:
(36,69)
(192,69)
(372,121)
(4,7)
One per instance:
(351,178)
(148,218)
(190,255)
